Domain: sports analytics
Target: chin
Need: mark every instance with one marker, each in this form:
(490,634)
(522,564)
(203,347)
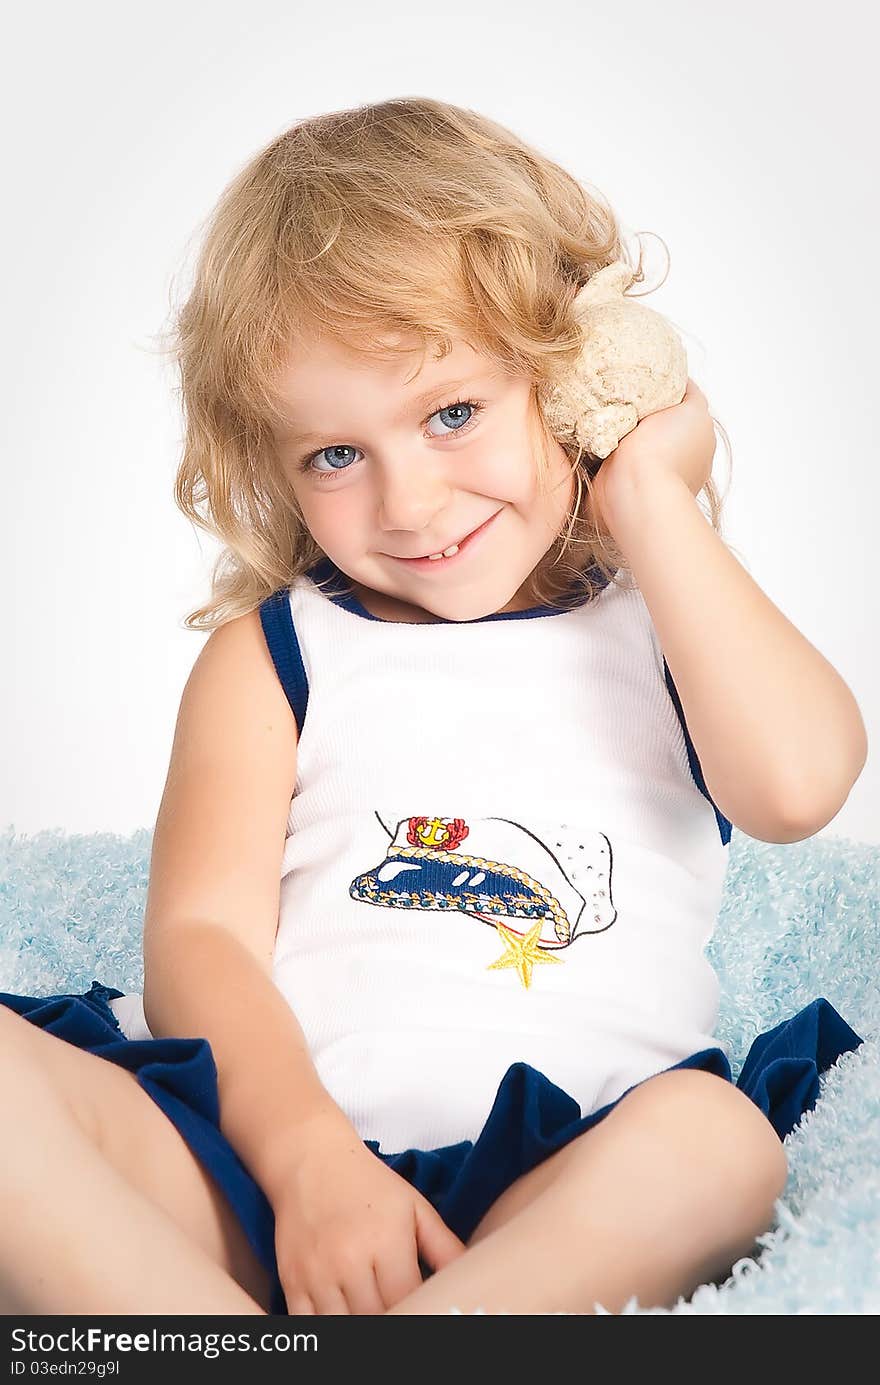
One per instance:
(472,605)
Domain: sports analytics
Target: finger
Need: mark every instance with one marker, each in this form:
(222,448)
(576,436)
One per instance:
(299,1304)
(693,390)
(362,1292)
(330,1301)
(438,1244)
(398,1272)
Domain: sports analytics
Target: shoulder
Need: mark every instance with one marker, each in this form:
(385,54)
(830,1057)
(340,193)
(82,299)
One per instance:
(242,632)
(235,683)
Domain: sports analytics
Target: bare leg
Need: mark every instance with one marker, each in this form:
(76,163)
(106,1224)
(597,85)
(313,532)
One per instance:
(76,1237)
(664,1194)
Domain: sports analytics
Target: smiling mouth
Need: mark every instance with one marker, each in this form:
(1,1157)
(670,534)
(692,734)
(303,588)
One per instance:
(445,558)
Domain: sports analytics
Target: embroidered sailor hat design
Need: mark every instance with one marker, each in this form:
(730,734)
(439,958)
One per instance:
(499,872)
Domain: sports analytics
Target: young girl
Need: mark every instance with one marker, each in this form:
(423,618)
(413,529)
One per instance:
(427,1021)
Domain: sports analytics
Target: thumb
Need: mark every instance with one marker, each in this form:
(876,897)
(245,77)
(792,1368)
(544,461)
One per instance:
(437,1243)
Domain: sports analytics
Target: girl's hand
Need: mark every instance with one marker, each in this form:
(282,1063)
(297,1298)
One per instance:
(349,1230)
(678,441)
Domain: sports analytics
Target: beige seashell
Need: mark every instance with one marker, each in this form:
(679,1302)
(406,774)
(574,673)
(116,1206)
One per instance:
(632,364)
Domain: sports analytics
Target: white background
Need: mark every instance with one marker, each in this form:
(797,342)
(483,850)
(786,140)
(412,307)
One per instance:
(744,134)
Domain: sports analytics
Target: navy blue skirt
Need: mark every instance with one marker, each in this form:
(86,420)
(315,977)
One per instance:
(530,1118)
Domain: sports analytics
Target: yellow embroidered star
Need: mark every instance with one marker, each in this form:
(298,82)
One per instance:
(522,953)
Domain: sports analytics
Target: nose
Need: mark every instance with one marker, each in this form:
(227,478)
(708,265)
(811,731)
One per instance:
(410,497)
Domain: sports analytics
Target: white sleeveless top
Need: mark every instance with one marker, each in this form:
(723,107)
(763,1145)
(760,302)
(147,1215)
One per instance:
(500,848)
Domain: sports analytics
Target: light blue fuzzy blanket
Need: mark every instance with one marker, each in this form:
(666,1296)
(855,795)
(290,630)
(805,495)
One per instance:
(796,922)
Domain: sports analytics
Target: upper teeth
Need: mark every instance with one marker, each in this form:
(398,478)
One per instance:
(447,552)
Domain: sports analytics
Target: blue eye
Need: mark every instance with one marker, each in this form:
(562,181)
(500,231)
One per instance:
(450,408)
(339,463)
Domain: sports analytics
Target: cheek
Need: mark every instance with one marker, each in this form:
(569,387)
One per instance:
(505,471)
(328,519)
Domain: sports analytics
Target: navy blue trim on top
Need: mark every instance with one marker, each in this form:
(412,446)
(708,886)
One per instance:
(338,588)
(724,824)
(277,621)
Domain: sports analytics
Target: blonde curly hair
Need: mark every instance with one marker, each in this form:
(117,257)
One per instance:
(407,217)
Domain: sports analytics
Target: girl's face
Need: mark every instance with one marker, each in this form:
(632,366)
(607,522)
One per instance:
(385,470)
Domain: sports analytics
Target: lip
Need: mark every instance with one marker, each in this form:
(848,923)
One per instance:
(464,546)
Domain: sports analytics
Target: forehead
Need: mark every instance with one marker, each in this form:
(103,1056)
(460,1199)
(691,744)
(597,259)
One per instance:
(321,372)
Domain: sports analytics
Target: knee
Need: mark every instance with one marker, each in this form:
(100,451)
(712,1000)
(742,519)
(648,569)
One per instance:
(720,1137)
(15,1034)
(22,1072)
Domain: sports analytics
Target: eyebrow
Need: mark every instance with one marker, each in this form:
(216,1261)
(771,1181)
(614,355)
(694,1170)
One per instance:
(417,401)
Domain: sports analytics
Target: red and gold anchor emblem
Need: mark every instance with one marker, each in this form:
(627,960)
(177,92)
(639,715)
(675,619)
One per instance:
(437,833)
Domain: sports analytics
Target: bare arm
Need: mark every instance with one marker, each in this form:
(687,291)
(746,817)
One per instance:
(213,900)
(778,732)
(201,981)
